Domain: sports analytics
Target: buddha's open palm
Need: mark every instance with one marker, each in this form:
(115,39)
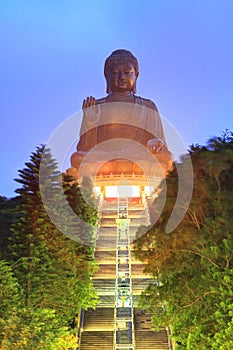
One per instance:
(88,102)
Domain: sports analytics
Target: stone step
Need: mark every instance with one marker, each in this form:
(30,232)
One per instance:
(107,287)
(107,257)
(97,340)
(106,301)
(104,286)
(107,231)
(142,320)
(105,271)
(146,340)
(107,245)
(134,212)
(140,284)
(137,271)
(112,230)
(99,319)
(134,221)
(109,271)
(135,206)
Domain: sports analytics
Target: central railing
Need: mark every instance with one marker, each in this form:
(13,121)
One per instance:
(123,311)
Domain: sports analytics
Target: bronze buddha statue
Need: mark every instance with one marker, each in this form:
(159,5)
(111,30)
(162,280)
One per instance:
(124,116)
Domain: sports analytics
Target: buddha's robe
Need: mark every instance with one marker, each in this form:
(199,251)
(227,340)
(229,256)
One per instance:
(119,130)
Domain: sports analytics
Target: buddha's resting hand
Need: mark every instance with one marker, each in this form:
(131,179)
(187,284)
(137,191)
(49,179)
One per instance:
(88,102)
(156,145)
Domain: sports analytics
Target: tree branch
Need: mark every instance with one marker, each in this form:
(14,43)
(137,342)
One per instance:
(201,255)
(197,299)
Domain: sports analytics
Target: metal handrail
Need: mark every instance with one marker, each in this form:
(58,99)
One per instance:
(123,288)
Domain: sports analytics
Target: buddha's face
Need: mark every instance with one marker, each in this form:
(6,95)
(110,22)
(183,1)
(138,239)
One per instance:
(122,77)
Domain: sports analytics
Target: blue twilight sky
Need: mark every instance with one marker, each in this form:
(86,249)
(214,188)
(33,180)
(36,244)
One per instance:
(52,56)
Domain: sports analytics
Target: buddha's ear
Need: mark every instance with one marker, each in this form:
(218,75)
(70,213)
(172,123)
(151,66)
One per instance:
(108,89)
(134,89)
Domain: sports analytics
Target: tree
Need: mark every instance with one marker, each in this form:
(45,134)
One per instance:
(80,199)
(36,328)
(8,215)
(28,328)
(194,263)
(10,291)
(53,271)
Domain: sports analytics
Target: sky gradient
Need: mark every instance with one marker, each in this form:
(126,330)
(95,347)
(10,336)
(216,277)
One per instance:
(53,52)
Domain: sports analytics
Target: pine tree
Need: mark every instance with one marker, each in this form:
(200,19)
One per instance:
(29,251)
(8,215)
(10,296)
(53,271)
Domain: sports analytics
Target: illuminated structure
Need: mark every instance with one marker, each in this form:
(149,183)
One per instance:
(117,322)
(122,146)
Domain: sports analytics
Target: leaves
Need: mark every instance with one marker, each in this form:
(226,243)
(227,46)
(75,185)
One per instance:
(194,263)
(48,277)
(36,328)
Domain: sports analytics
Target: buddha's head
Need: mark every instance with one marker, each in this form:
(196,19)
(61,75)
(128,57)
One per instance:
(121,71)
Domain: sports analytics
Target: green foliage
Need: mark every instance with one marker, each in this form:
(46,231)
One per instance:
(8,215)
(194,263)
(28,328)
(10,293)
(49,280)
(36,329)
(80,199)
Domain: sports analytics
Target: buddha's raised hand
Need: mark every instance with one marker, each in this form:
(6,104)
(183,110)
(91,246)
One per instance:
(88,102)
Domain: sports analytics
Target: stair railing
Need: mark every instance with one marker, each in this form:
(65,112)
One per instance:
(124,337)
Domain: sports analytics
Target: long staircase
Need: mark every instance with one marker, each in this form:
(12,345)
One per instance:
(117,323)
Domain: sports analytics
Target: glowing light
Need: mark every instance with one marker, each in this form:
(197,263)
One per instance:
(97,190)
(148,190)
(122,191)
